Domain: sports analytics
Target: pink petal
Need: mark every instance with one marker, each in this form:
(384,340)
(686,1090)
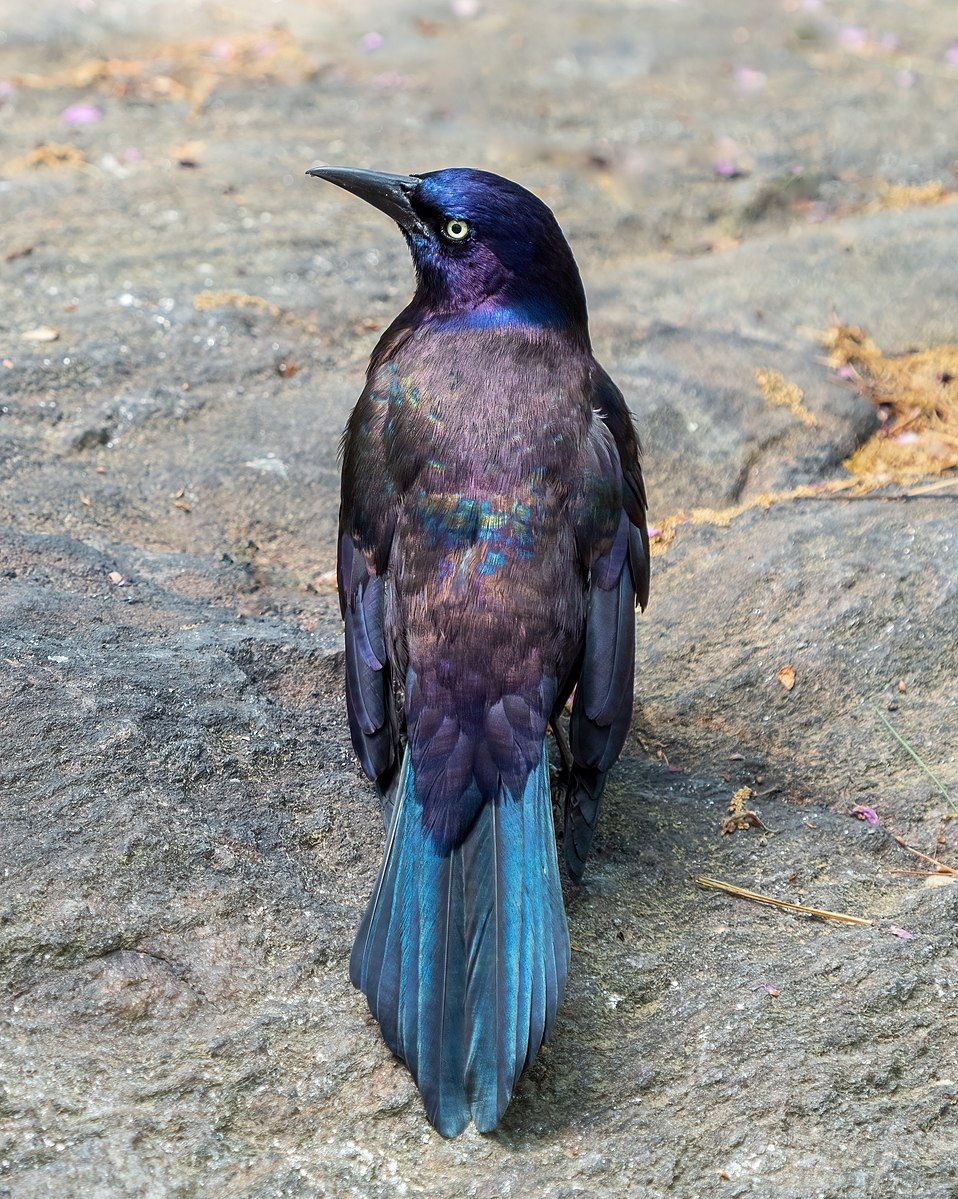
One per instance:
(951,55)
(852,36)
(869,815)
(464,8)
(81,114)
(728,158)
(749,80)
(905,79)
(372,41)
(390,79)
(903,933)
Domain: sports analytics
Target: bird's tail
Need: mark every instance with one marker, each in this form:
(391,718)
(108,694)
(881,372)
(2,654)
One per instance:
(463,953)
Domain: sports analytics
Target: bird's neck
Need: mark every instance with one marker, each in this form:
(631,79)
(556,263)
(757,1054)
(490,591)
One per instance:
(518,318)
(489,295)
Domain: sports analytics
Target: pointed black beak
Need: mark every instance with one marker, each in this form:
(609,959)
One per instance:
(391,194)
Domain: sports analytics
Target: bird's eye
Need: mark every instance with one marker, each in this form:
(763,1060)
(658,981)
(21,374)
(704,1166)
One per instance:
(456,230)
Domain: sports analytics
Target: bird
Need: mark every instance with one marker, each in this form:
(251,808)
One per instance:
(493,546)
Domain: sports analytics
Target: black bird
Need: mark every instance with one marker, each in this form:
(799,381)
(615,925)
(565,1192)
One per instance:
(493,546)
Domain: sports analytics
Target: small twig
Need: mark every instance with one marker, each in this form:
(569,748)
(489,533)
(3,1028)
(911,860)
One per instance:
(940,867)
(878,497)
(927,769)
(713,884)
(939,486)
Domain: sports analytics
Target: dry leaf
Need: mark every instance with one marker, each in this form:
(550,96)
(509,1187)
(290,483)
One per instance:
(741,817)
(19,252)
(786,676)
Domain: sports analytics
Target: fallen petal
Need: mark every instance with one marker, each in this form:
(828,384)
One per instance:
(81,114)
(902,933)
(862,812)
(749,80)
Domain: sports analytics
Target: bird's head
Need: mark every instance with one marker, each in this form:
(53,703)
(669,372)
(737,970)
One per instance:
(487,252)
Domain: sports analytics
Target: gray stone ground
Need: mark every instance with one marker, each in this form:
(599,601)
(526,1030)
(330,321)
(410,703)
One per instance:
(186,841)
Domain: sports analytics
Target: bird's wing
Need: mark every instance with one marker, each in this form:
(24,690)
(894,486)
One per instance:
(611,406)
(613,543)
(367,519)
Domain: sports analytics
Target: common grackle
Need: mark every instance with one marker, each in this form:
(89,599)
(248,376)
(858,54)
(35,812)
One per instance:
(492,549)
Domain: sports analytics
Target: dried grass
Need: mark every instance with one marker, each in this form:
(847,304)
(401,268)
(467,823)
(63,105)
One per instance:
(187,70)
(917,397)
(781,394)
(206,301)
(714,884)
(897,196)
(721,518)
(49,154)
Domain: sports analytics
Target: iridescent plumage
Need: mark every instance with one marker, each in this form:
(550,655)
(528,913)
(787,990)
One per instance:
(493,546)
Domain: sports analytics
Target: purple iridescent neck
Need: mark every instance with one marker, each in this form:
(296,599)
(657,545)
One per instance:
(486,291)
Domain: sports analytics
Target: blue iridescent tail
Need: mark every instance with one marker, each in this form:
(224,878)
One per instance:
(463,953)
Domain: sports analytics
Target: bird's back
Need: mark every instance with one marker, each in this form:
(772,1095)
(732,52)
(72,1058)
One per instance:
(486,431)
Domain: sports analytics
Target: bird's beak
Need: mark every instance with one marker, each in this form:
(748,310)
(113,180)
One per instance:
(391,194)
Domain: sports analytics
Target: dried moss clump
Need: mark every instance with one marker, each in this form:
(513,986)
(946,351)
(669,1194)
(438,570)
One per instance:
(917,397)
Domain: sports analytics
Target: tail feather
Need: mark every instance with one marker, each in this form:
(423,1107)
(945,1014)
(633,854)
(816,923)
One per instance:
(463,953)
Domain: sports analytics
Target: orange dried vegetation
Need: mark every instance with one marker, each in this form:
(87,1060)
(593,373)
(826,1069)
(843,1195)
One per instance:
(49,154)
(187,70)
(920,195)
(781,394)
(917,395)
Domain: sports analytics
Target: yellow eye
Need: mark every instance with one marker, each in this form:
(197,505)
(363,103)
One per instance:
(456,230)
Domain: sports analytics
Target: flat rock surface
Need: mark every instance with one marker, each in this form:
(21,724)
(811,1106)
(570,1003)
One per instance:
(187,844)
